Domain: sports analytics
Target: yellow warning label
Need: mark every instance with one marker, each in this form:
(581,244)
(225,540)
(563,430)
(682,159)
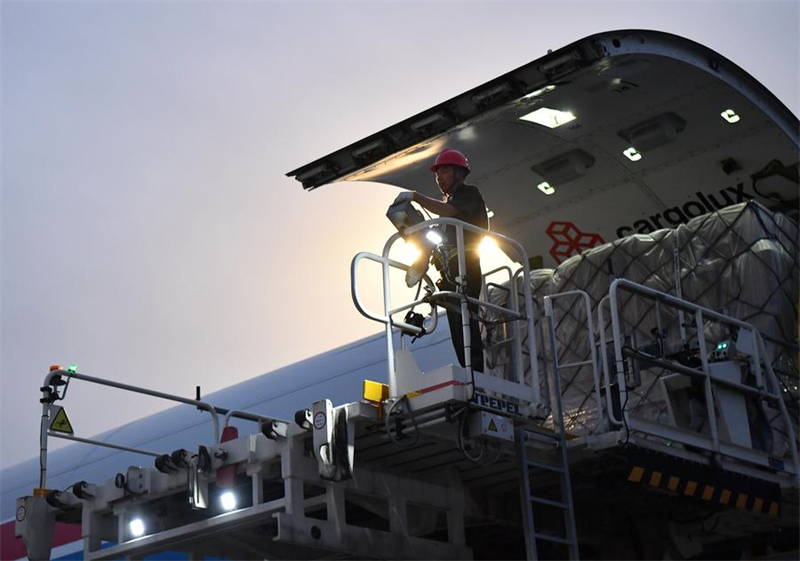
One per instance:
(492,426)
(60,422)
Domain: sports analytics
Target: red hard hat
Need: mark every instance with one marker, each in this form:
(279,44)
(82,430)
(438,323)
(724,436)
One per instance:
(452,158)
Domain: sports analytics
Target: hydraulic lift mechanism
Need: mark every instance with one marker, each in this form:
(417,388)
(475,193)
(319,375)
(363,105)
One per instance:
(417,467)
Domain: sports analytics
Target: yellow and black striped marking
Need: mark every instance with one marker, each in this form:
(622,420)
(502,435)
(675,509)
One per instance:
(702,483)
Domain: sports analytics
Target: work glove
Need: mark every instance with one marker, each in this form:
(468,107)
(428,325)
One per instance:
(404,196)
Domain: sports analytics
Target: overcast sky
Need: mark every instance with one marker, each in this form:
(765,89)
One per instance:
(148,231)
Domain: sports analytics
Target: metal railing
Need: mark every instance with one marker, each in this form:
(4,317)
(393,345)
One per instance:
(54,379)
(766,383)
(434,297)
(515,336)
(614,416)
(557,367)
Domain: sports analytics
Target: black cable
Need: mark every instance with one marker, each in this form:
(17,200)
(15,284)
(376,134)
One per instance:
(622,410)
(625,421)
(413,421)
(45,415)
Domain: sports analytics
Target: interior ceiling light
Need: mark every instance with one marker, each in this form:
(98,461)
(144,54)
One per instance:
(632,154)
(545,188)
(564,168)
(730,116)
(654,132)
(547,117)
(540,91)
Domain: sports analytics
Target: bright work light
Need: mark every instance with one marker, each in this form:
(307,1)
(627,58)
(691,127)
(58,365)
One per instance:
(403,215)
(228,500)
(407,252)
(487,246)
(434,237)
(137,527)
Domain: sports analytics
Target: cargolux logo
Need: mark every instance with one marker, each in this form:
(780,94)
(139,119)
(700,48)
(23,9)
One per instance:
(568,240)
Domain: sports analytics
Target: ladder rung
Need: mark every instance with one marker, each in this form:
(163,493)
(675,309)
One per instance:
(556,504)
(544,465)
(572,364)
(556,539)
(546,437)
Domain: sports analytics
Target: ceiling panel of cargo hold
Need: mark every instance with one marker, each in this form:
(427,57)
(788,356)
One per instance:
(607,95)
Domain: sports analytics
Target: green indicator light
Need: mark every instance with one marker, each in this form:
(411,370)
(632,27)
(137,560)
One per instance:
(546,188)
(730,116)
(73,368)
(632,154)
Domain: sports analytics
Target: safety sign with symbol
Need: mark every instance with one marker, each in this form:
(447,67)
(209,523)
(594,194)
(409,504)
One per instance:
(60,422)
(492,426)
(319,421)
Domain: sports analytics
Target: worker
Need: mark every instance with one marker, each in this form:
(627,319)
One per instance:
(462,202)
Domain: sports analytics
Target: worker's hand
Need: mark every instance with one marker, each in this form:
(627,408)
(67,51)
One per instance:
(405,196)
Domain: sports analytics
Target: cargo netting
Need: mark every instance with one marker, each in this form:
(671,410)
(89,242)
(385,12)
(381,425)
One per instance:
(741,261)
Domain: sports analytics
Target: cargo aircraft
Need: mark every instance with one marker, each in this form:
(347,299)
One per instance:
(619,134)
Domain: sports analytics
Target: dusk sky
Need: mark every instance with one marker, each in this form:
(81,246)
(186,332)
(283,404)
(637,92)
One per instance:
(149,233)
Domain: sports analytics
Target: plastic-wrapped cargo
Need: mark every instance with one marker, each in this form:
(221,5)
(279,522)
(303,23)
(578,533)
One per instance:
(741,261)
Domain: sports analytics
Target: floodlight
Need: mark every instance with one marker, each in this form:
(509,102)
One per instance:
(433,236)
(136,527)
(228,500)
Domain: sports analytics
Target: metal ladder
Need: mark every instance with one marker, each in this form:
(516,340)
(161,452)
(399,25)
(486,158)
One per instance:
(527,438)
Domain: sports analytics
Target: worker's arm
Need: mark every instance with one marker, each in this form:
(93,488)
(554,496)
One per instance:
(434,206)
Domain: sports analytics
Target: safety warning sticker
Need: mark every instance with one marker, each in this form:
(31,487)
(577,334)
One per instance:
(60,422)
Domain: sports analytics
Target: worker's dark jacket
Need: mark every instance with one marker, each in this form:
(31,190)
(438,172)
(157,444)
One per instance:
(470,208)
